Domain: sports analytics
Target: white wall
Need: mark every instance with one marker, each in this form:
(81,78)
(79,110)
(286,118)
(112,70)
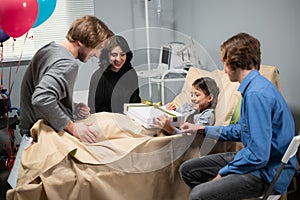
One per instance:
(210,22)
(274,22)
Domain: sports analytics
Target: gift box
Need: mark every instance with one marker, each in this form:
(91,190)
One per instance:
(145,113)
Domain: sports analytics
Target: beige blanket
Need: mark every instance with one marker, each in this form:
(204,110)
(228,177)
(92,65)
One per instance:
(127,163)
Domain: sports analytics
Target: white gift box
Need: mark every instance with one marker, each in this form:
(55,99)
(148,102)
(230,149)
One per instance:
(144,114)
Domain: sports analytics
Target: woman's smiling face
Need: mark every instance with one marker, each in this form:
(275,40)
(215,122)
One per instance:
(117,58)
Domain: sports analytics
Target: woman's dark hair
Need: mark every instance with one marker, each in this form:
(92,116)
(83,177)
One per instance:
(209,87)
(113,42)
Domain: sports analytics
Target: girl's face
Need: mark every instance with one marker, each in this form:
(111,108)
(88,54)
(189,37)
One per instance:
(200,101)
(117,58)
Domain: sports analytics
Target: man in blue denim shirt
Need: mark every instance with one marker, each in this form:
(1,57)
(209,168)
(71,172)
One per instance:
(265,127)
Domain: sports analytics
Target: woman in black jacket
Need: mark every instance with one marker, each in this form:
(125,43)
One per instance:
(116,81)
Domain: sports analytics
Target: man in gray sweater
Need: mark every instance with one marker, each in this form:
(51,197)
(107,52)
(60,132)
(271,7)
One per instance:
(47,86)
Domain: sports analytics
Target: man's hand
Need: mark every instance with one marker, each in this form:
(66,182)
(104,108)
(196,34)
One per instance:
(82,110)
(85,133)
(217,177)
(191,128)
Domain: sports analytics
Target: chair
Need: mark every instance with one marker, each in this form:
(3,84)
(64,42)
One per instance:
(290,152)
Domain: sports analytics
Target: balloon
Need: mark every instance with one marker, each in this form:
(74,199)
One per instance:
(17,16)
(46,8)
(3,36)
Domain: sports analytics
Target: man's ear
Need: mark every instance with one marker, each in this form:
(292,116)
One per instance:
(79,43)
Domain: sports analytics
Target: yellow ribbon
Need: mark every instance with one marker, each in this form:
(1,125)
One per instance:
(150,103)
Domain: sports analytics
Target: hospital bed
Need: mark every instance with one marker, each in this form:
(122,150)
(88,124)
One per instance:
(128,162)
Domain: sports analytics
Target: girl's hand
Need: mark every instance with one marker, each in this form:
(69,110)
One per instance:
(163,122)
(170,106)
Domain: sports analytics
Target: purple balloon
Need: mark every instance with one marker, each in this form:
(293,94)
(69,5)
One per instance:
(3,36)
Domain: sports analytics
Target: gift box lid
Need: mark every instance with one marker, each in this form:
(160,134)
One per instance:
(144,114)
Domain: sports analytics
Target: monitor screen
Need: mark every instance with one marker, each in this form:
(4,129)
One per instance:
(165,55)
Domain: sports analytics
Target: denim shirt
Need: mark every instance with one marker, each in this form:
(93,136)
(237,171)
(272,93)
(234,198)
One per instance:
(265,127)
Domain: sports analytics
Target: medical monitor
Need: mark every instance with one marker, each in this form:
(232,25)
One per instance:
(165,55)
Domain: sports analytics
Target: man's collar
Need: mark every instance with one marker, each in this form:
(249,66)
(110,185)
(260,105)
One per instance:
(246,81)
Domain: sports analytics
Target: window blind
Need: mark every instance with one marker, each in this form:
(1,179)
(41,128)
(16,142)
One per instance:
(53,29)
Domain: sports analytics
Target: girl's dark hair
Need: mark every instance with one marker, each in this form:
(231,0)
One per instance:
(113,42)
(209,87)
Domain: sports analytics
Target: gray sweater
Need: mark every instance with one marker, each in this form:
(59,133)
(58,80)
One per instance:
(47,88)
(205,118)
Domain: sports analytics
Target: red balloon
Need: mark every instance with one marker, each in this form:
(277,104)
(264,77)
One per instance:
(17,16)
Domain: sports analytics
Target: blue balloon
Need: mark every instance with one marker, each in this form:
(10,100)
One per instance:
(46,8)
(3,36)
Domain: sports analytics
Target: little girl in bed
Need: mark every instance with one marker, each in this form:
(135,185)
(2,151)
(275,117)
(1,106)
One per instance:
(204,97)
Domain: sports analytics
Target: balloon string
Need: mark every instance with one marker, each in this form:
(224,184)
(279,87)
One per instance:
(2,70)
(1,52)
(5,95)
(11,134)
(18,66)
(9,79)
(19,63)
(6,103)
